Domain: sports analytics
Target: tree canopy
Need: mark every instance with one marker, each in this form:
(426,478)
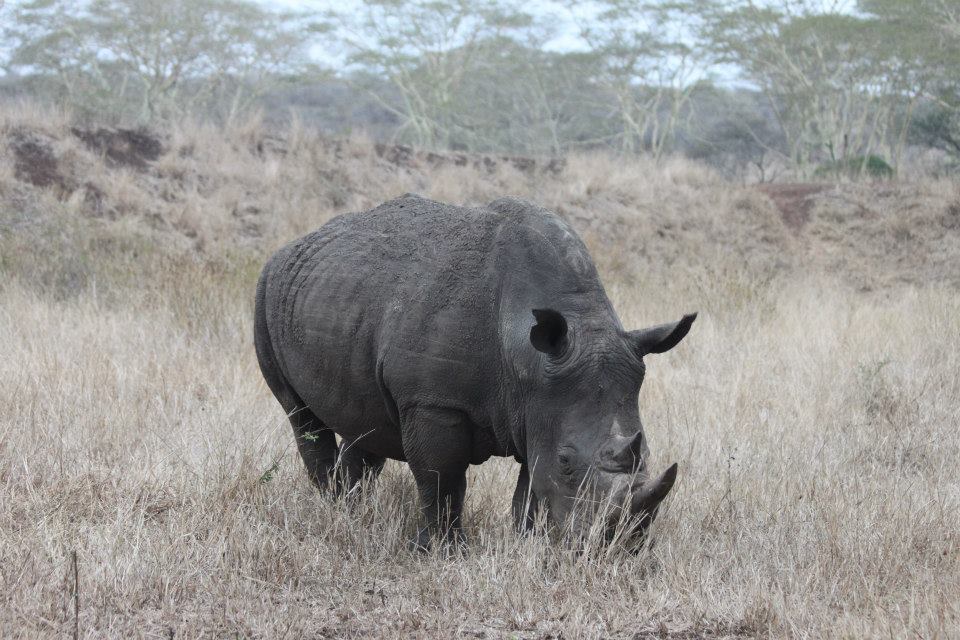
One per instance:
(805,82)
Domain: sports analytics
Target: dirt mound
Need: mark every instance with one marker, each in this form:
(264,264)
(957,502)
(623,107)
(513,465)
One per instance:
(874,234)
(408,157)
(35,161)
(794,201)
(122,147)
(215,189)
(951,217)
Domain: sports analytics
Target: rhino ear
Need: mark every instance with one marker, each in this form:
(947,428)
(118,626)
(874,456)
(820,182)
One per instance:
(662,337)
(549,335)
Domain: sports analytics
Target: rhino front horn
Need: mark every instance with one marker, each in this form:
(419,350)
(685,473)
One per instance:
(648,497)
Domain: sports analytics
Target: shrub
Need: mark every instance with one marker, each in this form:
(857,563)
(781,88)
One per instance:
(855,167)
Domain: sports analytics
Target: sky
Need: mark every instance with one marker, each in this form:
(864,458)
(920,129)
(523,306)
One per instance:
(558,16)
(566,38)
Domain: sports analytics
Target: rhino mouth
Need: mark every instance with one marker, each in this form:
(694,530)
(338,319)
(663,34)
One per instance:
(623,512)
(640,500)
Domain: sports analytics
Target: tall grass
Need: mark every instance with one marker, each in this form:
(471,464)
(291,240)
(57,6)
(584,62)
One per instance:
(815,424)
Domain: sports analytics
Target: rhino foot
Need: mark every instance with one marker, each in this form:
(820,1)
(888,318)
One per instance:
(452,542)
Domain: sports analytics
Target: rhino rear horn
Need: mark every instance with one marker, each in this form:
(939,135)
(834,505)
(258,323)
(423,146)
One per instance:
(633,450)
(661,337)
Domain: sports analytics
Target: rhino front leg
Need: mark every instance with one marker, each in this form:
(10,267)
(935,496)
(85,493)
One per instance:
(436,444)
(441,500)
(524,503)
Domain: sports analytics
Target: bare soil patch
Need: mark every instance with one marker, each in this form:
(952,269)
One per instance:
(794,201)
(122,147)
(35,161)
(408,157)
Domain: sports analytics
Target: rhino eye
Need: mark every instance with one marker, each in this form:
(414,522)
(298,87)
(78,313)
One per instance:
(565,461)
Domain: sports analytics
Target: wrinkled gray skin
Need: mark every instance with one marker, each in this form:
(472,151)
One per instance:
(441,336)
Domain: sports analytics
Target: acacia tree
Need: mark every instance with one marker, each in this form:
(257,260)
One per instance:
(426,50)
(50,41)
(733,131)
(524,99)
(922,45)
(147,61)
(829,76)
(648,60)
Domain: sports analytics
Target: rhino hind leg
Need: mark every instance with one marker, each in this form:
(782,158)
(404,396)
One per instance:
(329,466)
(317,445)
(315,441)
(357,464)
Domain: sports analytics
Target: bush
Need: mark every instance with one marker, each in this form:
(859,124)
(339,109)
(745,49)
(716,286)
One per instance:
(855,167)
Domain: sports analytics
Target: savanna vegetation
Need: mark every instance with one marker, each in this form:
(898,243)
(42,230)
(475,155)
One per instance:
(760,90)
(149,163)
(150,482)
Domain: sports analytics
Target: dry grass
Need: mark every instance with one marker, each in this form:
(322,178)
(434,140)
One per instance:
(816,424)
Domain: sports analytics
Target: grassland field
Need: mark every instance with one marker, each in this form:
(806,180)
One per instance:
(150,486)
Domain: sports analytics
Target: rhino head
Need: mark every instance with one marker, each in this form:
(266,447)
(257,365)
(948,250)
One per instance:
(586,449)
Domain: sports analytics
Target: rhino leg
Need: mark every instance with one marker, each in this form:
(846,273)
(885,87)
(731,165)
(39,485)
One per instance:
(317,445)
(524,503)
(441,499)
(357,463)
(437,445)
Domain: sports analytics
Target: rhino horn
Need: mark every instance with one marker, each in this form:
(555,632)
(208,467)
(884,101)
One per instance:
(648,497)
(632,451)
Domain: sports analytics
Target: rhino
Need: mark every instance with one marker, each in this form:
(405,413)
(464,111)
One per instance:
(442,335)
